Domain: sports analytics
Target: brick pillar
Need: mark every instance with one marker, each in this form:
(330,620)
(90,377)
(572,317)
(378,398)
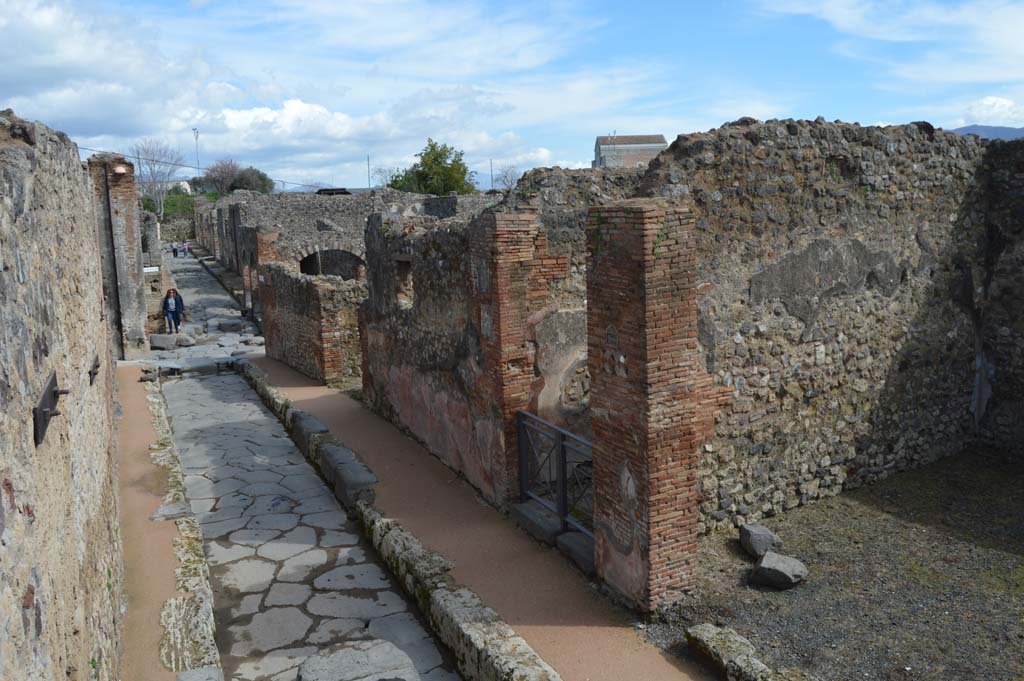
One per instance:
(119,229)
(649,397)
(502,249)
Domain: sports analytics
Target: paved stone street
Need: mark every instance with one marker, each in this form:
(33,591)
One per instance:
(213,326)
(292,578)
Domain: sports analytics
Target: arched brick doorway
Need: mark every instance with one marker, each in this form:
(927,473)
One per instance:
(334,262)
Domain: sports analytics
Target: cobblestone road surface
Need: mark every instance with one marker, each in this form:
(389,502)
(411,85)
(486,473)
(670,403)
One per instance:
(292,578)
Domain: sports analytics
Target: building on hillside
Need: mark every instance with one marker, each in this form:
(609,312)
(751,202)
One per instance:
(627,151)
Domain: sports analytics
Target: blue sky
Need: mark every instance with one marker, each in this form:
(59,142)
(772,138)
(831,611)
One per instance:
(306,89)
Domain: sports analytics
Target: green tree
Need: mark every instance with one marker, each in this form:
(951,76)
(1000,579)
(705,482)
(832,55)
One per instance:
(253,180)
(440,170)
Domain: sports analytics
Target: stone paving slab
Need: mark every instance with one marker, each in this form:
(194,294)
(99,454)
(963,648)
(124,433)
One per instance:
(291,576)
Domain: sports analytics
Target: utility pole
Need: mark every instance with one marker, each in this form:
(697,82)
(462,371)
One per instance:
(492,173)
(195,131)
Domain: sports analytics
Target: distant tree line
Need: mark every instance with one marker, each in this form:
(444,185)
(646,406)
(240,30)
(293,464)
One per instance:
(225,176)
(156,170)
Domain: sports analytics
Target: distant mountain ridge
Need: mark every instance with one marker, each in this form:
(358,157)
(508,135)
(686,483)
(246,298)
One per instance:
(992,132)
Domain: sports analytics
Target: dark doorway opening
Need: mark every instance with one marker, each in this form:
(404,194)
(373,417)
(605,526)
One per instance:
(337,263)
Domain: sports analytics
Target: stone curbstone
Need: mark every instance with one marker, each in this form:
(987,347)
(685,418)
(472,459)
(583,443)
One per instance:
(273,398)
(419,571)
(736,656)
(485,646)
(204,674)
(351,479)
(303,426)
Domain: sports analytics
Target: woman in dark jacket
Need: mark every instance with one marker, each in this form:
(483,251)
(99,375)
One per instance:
(174,308)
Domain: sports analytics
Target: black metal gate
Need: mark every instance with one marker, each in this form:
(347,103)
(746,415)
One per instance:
(556,470)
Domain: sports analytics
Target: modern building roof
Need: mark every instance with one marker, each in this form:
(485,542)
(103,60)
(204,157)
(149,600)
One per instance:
(631,139)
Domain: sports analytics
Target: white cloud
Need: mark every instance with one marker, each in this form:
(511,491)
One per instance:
(308,88)
(995,111)
(971,41)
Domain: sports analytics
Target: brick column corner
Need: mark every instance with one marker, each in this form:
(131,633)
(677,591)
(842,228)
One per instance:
(502,250)
(650,397)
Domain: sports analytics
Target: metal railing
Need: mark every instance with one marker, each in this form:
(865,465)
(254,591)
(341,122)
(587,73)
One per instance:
(556,469)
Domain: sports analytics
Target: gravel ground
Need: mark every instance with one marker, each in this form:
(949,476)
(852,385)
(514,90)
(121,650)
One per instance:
(920,576)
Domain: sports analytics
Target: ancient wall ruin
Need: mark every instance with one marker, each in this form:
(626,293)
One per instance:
(311,322)
(60,552)
(177,229)
(445,328)
(150,235)
(857,298)
(833,261)
(293,225)
(247,229)
(464,206)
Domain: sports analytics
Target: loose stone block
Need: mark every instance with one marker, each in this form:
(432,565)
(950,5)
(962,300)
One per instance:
(776,570)
(758,540)
(163,341)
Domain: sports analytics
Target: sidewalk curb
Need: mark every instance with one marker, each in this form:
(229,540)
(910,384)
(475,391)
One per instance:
(485,647)
(192,649)
(735,656)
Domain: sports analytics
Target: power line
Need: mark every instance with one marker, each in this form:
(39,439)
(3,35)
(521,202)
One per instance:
(183,165)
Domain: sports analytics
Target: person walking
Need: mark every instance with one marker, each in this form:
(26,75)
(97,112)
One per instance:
(174,308)
(174,250)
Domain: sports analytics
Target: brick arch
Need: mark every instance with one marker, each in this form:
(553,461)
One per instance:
(335,261)
(302,251)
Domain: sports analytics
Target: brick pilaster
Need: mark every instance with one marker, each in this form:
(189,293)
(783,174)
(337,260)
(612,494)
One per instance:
(509,282)
(651,399)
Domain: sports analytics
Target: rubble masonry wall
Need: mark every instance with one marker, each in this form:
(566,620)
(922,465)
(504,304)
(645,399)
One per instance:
(61,567)
(840,274)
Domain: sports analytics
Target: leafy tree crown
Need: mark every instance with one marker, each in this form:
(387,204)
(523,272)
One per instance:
(440,170)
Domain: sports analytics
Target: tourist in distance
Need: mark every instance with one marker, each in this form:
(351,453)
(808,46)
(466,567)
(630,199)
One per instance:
(174,250)
(174,308)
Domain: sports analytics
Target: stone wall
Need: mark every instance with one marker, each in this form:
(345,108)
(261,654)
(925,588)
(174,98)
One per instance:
(464,206)
(462,329)
(296,224)
(178,229)
(562,199)
(311,322)
(836,268)
(857,295)
(60,554)
(465,324)
(998,303)
(247,229)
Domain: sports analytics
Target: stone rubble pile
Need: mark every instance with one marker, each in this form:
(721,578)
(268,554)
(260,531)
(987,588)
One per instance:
(772,568)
